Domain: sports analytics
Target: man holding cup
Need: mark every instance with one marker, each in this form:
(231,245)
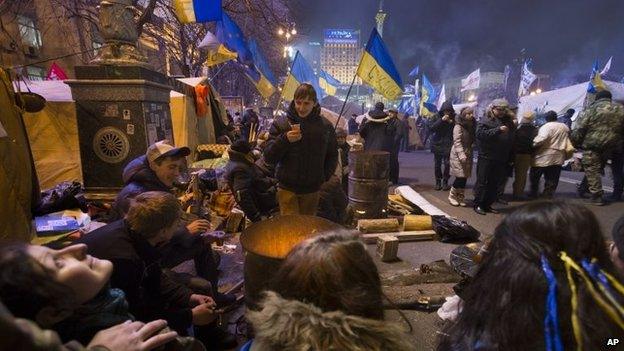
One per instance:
(302,146)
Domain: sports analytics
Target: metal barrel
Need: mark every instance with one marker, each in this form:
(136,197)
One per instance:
(368,183)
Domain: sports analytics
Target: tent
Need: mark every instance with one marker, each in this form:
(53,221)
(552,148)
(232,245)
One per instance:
(53,132)
(332,117)
(560,100)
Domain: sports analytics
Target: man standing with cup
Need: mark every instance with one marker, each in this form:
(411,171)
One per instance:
(302,146)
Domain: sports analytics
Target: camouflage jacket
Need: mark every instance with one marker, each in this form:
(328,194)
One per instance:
(599,127)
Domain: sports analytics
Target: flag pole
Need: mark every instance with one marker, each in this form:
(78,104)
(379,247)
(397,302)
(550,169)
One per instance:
(345,100)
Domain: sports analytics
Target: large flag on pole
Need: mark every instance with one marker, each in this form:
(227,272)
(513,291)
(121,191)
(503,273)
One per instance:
(595,80)
(264,80)
(377,69)
(427,98)
(328,83)
(191,11)
(217,52)
(472,81)
(300,72)
(526,79)
(230,35)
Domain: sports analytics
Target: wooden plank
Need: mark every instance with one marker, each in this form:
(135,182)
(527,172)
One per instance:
(387,248)
(415,235)
(415,198)
(382,225)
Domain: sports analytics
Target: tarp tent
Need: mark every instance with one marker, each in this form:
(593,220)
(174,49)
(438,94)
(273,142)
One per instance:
(53,132)
(560,100)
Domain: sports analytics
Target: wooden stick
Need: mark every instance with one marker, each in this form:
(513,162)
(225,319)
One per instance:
(416,235)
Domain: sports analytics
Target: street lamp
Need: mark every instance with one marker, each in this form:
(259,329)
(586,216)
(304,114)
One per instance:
(280,31)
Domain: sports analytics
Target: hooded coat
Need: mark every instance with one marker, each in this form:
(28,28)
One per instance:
(379,133)
(461,151)
(302,166)
(442,131)
(138,178)
(296,326)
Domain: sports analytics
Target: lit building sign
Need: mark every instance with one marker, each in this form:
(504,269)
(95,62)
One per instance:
(341,36)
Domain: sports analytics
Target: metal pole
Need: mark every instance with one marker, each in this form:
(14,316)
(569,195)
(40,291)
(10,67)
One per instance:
(345,101)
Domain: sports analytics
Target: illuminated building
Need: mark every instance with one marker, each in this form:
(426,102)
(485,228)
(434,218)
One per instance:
(340,54)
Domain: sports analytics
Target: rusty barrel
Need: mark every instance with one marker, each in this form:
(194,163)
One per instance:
(368,183)
(267,243)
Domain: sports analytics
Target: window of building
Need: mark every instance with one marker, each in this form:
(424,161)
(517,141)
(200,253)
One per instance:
(31,36)
(36,73)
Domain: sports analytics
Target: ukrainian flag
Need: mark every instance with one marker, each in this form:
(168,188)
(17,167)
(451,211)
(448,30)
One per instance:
(300,72)
(595,81)
(232,37)
(217,52)
(427,98)
(191,11)
(377,69)
(263,78)
(328,83)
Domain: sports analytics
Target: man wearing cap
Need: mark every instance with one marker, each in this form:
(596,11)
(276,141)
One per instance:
(495,135)
(378,130)
(156,171)
(254,193)
(598,132)
(523,150)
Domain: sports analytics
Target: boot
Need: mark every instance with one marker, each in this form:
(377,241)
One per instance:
(438,185)
(453,198)
(445,185)
(582,190)
(461,197)
(596,200)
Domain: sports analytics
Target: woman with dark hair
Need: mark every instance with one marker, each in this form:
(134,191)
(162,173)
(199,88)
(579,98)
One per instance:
(461,155)
(67,290)
(325,296)
(541,262)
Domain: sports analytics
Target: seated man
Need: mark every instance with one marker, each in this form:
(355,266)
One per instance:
(254,192)
(157,171)
(131,244)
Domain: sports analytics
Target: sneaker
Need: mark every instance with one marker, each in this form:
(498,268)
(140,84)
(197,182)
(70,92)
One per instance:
(595,200)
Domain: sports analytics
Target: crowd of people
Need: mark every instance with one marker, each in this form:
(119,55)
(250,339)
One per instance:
(547,268)
(509,147)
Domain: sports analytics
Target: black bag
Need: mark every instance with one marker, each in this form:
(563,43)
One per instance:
(451,229)
(64,196)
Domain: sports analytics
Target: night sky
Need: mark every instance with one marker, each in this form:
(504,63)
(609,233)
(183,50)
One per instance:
(451,38)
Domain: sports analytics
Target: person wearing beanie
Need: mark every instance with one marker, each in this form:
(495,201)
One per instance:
(495,135)
(550,146)
(461,155)
(254,192)
(599,132)
(523,150)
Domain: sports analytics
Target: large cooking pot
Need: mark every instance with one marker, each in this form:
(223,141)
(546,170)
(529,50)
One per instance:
(267,244)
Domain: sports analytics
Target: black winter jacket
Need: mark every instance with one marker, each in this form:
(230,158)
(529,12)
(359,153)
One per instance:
(442,131)
(379,133)
(150,293)
(302,166)
(493,143)
(254,192)
(523,142)
(138,178)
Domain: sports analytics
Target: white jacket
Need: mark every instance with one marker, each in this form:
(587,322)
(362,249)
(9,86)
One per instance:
(550,144)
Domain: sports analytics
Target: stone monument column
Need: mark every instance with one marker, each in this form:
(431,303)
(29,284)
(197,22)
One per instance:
(122,105)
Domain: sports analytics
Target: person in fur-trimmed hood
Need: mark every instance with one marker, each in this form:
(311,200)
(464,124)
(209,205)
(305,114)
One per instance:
(325,296)
(378,130)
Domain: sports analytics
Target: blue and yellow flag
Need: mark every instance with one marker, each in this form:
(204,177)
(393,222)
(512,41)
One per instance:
(217,52)
(377,69)
(328,83)
(300,72)
(191,11)
(595,80)
(230,35)
(427,98)
(264,80)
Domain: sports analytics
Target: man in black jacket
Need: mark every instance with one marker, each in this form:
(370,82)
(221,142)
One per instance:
(132,245)
(302,145)
(254,192)
(441,126)
(495,135)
